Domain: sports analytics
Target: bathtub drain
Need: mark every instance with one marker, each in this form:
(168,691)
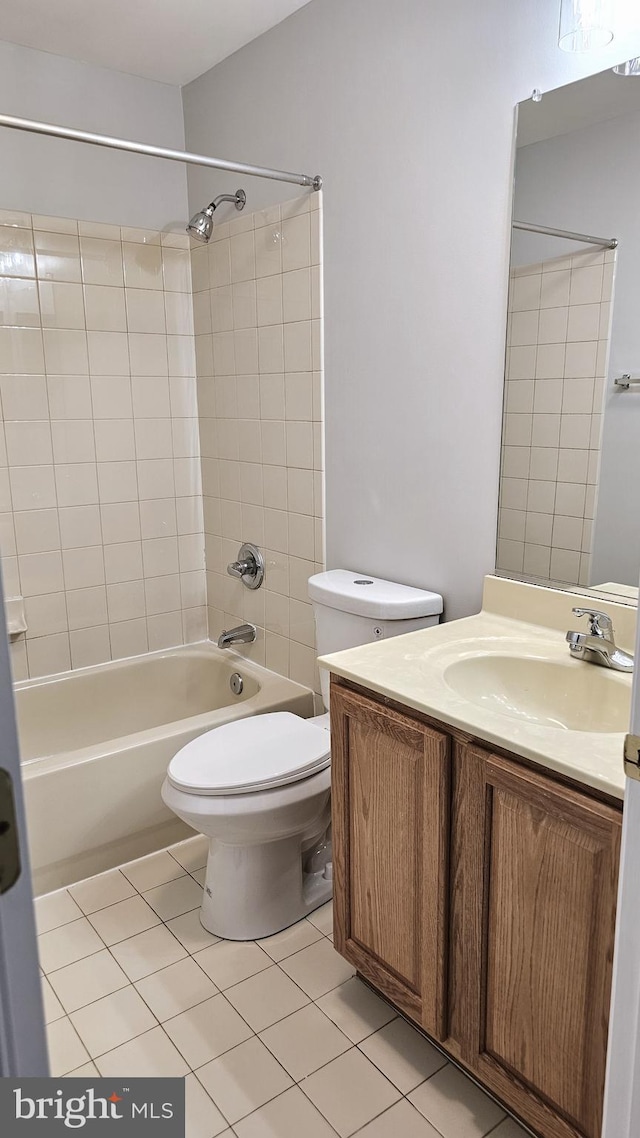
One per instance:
(236,683)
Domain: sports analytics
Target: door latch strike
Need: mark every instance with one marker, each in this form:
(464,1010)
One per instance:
(632,756)
(9,844)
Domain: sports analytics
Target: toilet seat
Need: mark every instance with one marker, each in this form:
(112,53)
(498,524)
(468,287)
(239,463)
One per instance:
(251,754)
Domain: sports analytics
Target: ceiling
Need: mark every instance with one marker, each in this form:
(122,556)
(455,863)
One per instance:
(172,41)
(589,101)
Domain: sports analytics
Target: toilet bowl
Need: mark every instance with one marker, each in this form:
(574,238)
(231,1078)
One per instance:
(259,788)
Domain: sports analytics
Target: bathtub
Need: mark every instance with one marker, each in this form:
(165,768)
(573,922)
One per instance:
(95,745)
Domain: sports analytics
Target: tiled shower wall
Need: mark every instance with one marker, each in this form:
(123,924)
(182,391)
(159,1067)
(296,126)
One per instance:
(102,528)
(257,311)
(558,340)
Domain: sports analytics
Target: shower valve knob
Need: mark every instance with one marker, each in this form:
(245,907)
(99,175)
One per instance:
(249,567)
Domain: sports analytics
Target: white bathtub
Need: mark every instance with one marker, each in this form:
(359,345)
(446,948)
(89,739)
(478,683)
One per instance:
(95,745)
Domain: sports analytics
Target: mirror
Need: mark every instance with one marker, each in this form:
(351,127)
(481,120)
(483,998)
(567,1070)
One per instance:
(570,467)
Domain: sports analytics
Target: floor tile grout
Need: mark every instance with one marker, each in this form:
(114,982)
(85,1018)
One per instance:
(191,954)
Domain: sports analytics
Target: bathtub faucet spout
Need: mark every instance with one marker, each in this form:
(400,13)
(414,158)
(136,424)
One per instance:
(243,634)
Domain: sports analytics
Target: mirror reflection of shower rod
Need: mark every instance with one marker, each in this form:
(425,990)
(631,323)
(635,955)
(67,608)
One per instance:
(626,382)
(567,234)
(35,127)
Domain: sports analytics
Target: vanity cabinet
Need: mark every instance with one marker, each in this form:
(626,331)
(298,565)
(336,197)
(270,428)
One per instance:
(534,868)
(390,810)
(478,893)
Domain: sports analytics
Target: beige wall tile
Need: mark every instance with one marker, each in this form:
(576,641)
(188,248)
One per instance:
(46,615)
(129,638)
(181,355)
(33,487)
(86,607)
(176,269)
(54,224)
(109,531)
(24,397)
(29,443)
(36,531)
(120,522)
(19,302)
(117,482)
(142,266)
(16,252)
(105,308)
(73,440)
(40,573)
(61,305)
(49,654)
(57,256)
(558,314)
(150,396)
(101,262)
(126,600)
(296,246)
(80,526)
(83,567)
(21,351)
(108,354)
(114,440)
(90,646)
(145,310)
(123,562)
(76,484)
(164,630)
(148,351)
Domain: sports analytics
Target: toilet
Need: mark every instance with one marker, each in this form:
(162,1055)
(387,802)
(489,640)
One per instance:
(259,788)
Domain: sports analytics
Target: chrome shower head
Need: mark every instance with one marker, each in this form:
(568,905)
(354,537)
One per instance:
(201,224)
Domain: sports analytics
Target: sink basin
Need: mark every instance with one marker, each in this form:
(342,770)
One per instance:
(571,696)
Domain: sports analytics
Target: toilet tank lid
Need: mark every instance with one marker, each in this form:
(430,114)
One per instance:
(363,595)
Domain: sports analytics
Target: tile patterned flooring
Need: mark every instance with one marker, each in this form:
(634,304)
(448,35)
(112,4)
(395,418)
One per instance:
(276,1038)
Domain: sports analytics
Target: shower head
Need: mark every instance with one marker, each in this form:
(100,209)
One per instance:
(201,224)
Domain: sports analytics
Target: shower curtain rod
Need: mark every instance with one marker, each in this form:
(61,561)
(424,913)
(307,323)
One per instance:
(607,242)
(35,127)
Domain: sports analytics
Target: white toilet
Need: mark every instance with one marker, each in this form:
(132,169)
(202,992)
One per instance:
(259,788)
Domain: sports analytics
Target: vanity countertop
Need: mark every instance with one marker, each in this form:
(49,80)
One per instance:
(525,624)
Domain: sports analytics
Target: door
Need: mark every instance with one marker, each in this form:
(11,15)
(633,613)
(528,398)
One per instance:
(390,804)
(22,1037)
(622,1096)
(536,867)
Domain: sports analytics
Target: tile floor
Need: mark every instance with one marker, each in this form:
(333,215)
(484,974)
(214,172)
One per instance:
(276,1038)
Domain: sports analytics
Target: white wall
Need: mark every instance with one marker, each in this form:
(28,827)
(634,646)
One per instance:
(67,179)
(587,181)
(406,110)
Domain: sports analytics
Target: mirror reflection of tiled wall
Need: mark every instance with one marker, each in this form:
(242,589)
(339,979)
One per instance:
(557,348)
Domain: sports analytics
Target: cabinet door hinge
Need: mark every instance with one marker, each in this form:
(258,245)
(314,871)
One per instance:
(632,756)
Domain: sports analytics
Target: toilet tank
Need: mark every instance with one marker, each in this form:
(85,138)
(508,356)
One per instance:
(354,608)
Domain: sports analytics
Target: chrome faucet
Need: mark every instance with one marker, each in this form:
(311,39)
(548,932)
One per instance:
(598,646)
(243,634)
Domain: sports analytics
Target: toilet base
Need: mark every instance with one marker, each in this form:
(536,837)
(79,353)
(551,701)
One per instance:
(255,891)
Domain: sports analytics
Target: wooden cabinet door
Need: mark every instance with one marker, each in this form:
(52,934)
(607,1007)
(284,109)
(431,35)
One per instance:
(534,872)
(390,807)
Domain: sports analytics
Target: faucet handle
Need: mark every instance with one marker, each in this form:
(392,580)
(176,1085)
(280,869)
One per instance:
(600,623)
(249,568)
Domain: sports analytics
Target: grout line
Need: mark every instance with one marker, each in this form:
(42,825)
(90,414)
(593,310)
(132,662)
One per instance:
(271,1099)
(79,1037)
(312,1002)
(390,1108)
